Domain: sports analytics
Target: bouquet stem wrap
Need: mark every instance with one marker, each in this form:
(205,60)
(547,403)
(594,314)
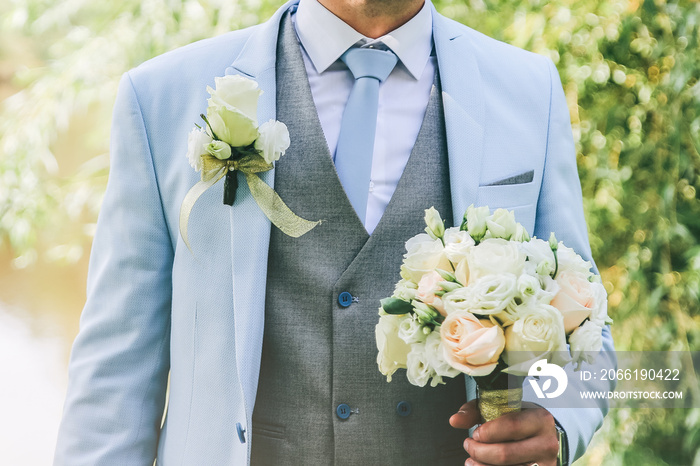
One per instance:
(496,403)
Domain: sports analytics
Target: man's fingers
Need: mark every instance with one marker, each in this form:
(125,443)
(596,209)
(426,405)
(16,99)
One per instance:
(516,426)
(467,417)
(541,449)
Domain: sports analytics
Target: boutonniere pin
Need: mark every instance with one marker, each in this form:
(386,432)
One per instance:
(231,141)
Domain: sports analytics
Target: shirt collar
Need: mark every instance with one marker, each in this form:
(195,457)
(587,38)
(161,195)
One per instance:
(325,37)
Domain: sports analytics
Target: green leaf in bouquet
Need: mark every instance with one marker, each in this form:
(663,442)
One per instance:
(396,306)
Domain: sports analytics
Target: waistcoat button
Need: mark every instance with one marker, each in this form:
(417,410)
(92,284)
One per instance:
(345,299)
(343,411)
(403,408)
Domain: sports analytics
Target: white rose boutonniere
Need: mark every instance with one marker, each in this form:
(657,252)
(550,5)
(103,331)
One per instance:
(231,141)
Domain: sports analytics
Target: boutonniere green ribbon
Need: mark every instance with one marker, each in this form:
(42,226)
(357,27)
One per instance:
(232,142)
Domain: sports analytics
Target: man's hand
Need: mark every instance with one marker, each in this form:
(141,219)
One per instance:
(521,438)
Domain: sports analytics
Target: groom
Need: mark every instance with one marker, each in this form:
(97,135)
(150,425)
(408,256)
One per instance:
(268,341)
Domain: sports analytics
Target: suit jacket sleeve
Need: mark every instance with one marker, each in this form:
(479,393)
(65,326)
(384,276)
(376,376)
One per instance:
(119,364)
(560,210)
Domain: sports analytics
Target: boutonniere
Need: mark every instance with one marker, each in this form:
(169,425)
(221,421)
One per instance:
(231,141)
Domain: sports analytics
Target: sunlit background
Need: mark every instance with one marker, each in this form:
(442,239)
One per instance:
(630,71)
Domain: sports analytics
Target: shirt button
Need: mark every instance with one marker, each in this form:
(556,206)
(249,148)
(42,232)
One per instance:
(403,408)
(343,411)
(241,432)
(345,299)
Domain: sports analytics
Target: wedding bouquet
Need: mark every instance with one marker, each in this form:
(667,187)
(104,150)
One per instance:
(486,300)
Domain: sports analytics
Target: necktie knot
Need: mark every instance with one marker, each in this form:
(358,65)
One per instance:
(367,62)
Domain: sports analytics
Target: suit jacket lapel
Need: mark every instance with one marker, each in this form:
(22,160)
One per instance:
(463,104)
(464,111)
(250,229)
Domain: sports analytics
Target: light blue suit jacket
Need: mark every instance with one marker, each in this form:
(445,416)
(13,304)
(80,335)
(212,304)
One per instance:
(156,312)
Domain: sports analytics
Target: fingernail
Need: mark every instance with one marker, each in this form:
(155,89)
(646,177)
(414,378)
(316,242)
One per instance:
(476,435)
(469,462)
(466,445)
(462,411)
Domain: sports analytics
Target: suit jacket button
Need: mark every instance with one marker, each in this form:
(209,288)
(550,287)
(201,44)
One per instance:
(403,408)
(343,411)
(241,432)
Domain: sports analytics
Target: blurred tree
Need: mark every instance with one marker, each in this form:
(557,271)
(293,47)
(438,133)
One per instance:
(631,72)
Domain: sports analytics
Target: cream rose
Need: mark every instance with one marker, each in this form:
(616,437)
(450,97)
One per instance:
(471,345)
(457,243)
(538,332)
(273,140)
(423,256)
(495,256)
(585,343)
(427,286)
(392,349)
(197,143)
(575,299)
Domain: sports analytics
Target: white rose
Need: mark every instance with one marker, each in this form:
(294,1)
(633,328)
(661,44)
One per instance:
(232,110)
(585,343)
(423,255)
(273,140)
(476,221)
(392,349)
(540,257)
(219,149)
(418,370)
(488,295)
(405,290)
(501,224)
(569,261)
(495,256)
(537,333)
(197,143)
(238,92)
(411,331)
(457,243)
(435,355)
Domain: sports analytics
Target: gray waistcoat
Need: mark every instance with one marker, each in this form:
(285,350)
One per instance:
(317,354)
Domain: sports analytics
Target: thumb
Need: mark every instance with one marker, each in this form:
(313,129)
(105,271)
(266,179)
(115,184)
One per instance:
(467,417)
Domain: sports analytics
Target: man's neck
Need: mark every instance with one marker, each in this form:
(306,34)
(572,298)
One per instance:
(374,18)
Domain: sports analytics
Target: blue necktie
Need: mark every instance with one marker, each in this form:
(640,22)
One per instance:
(353,155)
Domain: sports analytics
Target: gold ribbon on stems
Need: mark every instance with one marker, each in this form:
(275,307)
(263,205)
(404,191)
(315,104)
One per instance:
(267,199)
(496,403)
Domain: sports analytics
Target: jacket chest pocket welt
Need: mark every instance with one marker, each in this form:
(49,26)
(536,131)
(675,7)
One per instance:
(521,198)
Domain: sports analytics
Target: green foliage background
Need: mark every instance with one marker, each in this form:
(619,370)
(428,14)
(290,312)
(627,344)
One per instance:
(631,72)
